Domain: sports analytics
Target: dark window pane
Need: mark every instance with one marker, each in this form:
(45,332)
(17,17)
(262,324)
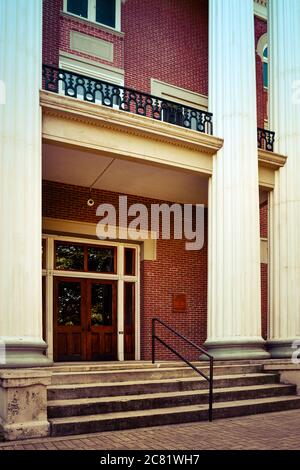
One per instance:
(101,260)
(265,71)
(69,257)
(265,53)
(78,7)
(69,304)
(129,303)
(101,304)
(106,12)
(43,253)
(129,261)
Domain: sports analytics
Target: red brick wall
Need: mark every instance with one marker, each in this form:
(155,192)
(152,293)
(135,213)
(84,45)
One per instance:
(68,24)
(264,221)
(51,31)
(166,40)
(261,94)
(56,35)
(163,39)
(175,270)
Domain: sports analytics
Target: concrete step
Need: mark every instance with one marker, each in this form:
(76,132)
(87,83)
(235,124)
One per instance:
(92,406)
(60,378)
(134,387)
(162,416)
(123,365)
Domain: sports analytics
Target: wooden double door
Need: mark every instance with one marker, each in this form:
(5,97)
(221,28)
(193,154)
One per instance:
(85,319)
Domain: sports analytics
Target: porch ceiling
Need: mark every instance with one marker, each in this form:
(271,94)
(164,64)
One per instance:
(73,166)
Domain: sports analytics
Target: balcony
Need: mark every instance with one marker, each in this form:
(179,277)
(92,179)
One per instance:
(92,90)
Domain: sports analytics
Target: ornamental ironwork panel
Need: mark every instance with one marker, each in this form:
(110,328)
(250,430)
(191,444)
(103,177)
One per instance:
(107,94)
(265,139)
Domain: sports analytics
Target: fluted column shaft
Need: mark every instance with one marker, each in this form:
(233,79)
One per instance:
(284,118)
(234,313)
(20,183)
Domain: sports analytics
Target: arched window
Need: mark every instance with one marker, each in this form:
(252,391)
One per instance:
(265,67)
(262,51)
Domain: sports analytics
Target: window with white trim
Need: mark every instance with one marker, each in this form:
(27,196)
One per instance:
(104,12)
(265,67)
(262,51)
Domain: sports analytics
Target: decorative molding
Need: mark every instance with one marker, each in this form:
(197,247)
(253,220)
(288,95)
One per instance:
(92,46)
(264,255)
(261,9)
(271,160)
(73,109)
(52,226)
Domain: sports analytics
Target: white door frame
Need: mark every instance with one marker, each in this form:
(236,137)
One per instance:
(49,272)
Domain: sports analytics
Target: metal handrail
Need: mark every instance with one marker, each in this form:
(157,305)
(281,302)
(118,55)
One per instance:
(179,335)
(265,139)
(98,91)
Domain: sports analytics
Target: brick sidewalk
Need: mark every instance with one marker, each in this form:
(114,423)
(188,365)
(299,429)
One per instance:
(265,431)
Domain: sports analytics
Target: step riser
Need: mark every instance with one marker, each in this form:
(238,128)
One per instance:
(126,376)
(164,402)
(115,366)
(64,429)
(132,389)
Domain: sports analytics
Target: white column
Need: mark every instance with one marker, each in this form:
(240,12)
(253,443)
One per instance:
(284,118)
(20,183)
(234,311)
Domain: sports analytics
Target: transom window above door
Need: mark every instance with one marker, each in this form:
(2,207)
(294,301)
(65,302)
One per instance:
(105,12)
(86,258)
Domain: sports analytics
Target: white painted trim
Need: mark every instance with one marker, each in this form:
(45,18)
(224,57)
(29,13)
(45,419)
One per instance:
(91,68)
(92,14)
(260,10)
(120,303)
(177,94)
(261,44)
(138,308)
(83,230)
(49,295)
(50,272)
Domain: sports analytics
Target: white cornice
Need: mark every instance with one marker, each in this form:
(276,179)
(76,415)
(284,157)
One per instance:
(260,9)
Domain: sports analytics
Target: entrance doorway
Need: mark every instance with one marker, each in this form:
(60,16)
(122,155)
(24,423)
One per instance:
(90,299)
(85,319)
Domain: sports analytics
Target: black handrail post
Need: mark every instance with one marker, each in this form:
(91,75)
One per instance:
(196,369)
(211,379)
(153,340)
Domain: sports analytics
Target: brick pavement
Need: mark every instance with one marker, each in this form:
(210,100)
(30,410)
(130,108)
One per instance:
(265,431)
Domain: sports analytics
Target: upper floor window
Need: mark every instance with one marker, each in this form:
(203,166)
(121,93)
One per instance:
(265,67)
(262,51)
(105,12)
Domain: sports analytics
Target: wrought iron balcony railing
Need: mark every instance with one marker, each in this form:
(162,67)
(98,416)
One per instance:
(107,94)
(265,139)
(126,99)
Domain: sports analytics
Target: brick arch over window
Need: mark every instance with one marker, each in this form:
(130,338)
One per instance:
(261,39)
(261,45)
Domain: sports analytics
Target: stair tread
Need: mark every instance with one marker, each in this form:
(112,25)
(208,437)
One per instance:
(145,396)
(153,381)
(173,410)
(151,369)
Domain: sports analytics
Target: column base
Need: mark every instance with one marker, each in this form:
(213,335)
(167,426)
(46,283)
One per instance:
(228,350)
(23,352)
(23,403)
(283,348)
(28,430)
